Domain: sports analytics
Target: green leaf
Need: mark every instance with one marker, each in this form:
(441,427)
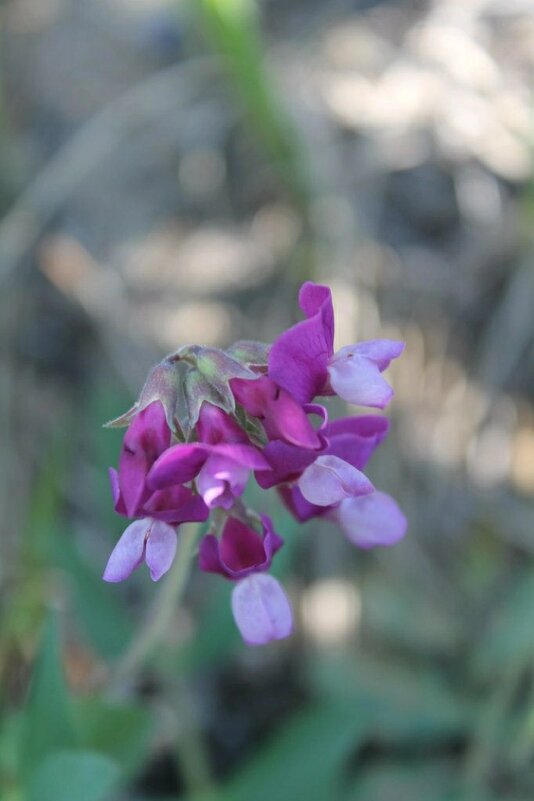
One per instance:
(101,614)
(508,638)
(303,760)
(398,700)
(119,731)
(217,635)
(396,614)
(73,775)
(406,781)
(48,724)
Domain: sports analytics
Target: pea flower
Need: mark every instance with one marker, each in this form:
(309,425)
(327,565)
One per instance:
(303,362)
(208,419)
(259,605)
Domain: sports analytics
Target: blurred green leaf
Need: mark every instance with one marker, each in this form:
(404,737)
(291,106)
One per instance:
(119,731)
(100,612)
(508,638)
(48,723)
(233,30)
(406,781)
(303,760)
(10,739)
(69,775)
(216,635)
(387,608)
(396,700)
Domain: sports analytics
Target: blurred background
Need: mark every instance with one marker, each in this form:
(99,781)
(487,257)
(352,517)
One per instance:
(171,172)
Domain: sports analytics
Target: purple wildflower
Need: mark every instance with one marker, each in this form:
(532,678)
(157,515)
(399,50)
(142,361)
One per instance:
(303,362)
(206,419)
(259,605)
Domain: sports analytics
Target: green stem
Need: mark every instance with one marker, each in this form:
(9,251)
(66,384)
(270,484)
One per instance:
(159,618)
(191,748)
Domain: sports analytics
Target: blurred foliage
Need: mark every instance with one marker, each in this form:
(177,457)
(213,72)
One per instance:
(232,26)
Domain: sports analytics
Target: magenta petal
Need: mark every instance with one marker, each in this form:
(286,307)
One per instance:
(286,461)
(282,416)
(178,465)
(299,357)
(160,549)
(372,520)
(147,436)
(128,553)
(208,556)
(215,426)
(244,455)
(261,609)
(297,504)
(358,380)
(286,419)
(365,425)
(118,502)
(176,505)
(329,480)
(241,548)
(354,439)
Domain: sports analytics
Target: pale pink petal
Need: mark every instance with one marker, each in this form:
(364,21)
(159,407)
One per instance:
(261,609)
(128,553)
(372,520)
(160,548)
(329,480)
(358,380)
(380,351)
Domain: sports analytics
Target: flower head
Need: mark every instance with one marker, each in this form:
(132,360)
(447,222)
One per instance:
(260,607)
(207,419)
(302,359)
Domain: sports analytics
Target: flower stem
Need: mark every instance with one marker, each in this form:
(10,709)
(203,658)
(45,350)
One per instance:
(159,618)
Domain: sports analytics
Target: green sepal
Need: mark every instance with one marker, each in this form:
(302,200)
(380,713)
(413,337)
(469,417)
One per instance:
(184,380)
(250,353)
(164,383)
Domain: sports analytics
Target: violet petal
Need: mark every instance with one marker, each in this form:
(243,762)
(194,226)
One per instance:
(298,358)
(160,548)
(178,465)
(373,520)
(261,609)
(358,380)
(128,553)
(329,480)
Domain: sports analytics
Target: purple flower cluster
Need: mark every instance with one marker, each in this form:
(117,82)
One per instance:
(167,477)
